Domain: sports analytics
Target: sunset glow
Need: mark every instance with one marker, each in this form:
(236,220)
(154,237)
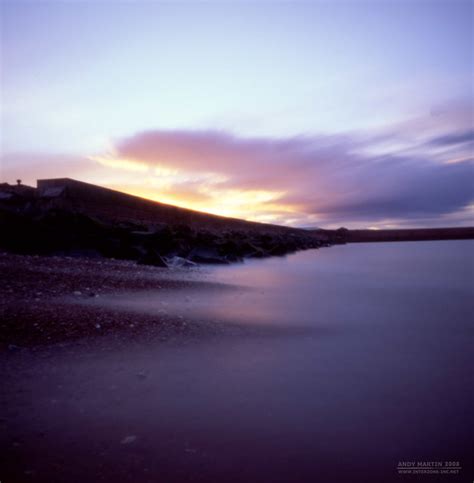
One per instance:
(306,114)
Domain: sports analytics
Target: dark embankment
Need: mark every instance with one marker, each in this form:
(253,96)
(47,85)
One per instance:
(425,234)
(357,236)
(68,217)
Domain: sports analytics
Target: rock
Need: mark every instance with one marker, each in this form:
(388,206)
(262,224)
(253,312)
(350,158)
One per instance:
(280,249)
(217,260)
(257,253)
(229,247)
(208,255)
(248,249)
(234,258)
(176,262)
(152,258)
(182,230)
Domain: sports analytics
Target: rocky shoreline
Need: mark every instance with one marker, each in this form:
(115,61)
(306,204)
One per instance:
(62,233)
(81,220)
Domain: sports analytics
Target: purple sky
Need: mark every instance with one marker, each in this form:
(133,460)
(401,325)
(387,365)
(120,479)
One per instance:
(308,113)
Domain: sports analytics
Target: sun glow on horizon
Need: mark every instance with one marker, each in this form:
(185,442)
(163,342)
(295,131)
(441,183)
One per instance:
(205,192)
(251,205)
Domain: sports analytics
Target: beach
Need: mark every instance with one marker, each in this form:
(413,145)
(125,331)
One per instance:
(41,299)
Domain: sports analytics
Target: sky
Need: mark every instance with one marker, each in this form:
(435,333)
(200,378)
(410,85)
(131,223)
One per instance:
(308,113)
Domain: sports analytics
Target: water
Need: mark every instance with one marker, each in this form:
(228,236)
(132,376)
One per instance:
(349,361)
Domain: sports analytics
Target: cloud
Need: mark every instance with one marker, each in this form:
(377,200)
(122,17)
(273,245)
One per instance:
(325,178)
(419,173)
(454,138)
(431,191)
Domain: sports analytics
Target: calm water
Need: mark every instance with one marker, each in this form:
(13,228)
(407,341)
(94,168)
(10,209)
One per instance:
(356,358)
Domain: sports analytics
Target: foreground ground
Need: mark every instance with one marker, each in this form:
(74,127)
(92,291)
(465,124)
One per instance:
(332,365)
(45,313)
(38,296)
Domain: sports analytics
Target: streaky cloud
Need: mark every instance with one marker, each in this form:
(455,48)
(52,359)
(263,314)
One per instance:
(322,177)
(453,138)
